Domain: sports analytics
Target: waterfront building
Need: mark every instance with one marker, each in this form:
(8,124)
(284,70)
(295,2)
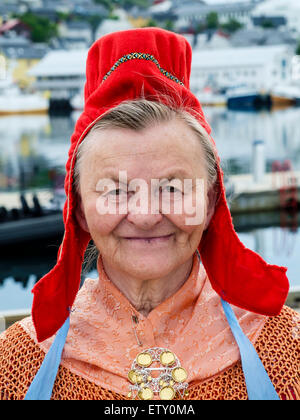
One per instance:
(190,14)
(13,27)
(108,26)
(204,41)
(21,55)
(7,9)
(259,68)
(61,73)
(76,30)
(278,12)
(258,35)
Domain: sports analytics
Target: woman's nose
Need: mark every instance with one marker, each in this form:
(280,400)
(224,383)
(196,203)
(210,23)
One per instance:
(144,210)
(144,221)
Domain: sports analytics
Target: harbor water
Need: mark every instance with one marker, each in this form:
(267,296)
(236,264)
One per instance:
(33,153)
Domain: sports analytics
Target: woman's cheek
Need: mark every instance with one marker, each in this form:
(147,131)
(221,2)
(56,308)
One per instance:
(105,224)
(179,220)
(99,224)
(189,212)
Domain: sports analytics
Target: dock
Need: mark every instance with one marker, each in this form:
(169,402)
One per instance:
(20,227)
(7,318)
(275,191)
(12,199)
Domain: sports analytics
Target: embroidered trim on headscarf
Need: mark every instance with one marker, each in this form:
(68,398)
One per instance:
(141,56)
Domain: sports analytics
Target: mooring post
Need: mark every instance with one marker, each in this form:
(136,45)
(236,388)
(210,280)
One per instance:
(258,161)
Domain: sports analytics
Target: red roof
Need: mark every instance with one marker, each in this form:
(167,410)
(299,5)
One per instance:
(10,24)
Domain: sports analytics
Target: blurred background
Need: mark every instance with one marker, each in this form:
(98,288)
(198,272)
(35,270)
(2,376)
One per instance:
(245,72)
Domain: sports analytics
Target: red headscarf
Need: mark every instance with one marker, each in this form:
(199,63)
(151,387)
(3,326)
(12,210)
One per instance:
(151,62)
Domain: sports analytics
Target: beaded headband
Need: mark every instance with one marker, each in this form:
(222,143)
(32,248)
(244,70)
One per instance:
(141,56)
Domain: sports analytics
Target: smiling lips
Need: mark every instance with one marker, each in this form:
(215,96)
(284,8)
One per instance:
(150,239)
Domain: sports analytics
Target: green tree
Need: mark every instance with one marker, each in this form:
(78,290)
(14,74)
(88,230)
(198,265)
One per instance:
(169,25)
(297,52)
(212,20)
(42,29)
(151,22)
(130,3)
(110,4)
(200,27)
(63,16)
(94,21)
(106,3)
(232,25)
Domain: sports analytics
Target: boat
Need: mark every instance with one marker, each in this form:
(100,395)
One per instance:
(244,98)
(31,222)
(285,95)
(77,102)
(208,97)
(15,101)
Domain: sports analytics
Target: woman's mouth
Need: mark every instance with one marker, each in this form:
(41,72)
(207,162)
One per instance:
(149,239)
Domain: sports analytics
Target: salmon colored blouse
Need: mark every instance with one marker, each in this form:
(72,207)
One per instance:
(107,332)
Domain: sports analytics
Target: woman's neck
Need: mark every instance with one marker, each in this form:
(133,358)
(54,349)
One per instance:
(145,295)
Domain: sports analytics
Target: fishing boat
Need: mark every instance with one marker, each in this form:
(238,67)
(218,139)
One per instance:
(244,98)
(31,221)
(211,99)
(285,95)
(14,101)
(77,101)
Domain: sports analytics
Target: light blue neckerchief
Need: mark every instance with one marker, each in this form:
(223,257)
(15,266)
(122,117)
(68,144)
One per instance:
(258,383)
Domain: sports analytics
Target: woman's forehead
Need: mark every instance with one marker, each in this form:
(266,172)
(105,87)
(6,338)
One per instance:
(169,144)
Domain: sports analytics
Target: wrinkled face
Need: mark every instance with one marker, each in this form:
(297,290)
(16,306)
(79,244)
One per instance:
(154,217)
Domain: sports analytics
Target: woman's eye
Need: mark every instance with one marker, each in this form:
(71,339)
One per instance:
(172,189)
(117,192)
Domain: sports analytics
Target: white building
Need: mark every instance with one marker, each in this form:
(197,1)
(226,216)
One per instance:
(191,14)
(75,30)
(61,72)
(202,42)
(109,25)
(259,68)
(288,9)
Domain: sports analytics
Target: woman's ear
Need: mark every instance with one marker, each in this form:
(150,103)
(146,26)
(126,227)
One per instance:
(212,195)
(80,216)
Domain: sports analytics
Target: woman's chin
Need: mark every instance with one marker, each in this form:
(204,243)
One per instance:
(150,265)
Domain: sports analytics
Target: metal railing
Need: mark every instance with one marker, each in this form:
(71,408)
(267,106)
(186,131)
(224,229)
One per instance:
(7,318)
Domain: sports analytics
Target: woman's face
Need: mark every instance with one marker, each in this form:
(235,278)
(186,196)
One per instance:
(149,240)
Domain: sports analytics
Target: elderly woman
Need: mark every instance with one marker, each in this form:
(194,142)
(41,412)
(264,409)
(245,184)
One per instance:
(181,308)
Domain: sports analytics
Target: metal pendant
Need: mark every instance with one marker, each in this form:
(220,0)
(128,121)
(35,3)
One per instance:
(157,372)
